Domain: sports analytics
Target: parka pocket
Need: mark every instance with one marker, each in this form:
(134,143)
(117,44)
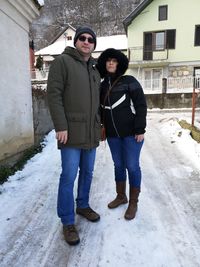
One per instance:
(76,128)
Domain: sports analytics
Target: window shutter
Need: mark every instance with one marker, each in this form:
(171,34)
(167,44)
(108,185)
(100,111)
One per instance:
(171,39)
(197,35)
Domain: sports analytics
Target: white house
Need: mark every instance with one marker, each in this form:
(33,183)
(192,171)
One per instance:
(16,124)
(57,45)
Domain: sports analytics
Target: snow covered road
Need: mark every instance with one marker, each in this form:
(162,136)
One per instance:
(165,233)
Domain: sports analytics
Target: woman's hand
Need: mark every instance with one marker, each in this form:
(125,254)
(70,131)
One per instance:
(139,137)
(62,136)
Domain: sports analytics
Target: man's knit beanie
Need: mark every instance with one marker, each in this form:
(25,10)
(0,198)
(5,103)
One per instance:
(85,29)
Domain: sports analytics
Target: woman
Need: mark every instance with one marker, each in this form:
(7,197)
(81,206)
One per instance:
(124,112)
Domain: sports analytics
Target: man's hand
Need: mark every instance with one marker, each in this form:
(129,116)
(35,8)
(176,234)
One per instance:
(139,137)
(62,136)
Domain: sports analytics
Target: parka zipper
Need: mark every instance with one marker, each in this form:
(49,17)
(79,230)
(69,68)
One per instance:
(111,112)
(91,106)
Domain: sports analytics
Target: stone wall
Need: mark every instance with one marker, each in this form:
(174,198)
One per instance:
(180,71)
(41,115)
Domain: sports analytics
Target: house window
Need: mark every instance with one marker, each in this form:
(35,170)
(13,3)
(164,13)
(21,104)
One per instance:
(159,41)
(153,79)
(170,39)
(197,35)
(162,13)
(69,38)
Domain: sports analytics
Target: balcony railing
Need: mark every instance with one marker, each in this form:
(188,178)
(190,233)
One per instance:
(185,84)
(140,54)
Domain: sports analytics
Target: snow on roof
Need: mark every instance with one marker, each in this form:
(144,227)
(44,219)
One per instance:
(54,49)
(104,42)
(113,41)
(41,2)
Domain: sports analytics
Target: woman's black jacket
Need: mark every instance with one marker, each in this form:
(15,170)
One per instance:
(124,110)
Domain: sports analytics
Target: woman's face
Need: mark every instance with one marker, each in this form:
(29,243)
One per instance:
(111,65)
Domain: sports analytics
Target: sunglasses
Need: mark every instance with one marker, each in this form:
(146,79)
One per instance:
(90,40)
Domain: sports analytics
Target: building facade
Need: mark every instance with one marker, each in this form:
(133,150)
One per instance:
(164,42)
(16,124)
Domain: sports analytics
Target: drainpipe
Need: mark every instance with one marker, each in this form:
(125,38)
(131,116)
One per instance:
(193,99)
(129,54)
(164,85)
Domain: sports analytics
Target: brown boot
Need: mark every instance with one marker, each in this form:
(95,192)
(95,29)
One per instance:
(121,196)
(132,207)
(71,234)
(89,214)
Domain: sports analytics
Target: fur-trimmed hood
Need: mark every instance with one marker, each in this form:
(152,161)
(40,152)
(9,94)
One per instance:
(112,53)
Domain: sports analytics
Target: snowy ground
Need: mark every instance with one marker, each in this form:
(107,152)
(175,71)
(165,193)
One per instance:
(165,233)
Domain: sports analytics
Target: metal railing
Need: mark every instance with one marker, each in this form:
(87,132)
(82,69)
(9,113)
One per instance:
(153,86)
(185,84)
(171,85)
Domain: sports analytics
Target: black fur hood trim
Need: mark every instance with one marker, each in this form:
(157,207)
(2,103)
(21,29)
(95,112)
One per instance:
(112,53)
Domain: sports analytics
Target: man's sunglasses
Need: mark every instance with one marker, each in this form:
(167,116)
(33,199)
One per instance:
(82,38)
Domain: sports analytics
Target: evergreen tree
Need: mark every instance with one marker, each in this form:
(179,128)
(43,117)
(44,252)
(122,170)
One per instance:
(39,63)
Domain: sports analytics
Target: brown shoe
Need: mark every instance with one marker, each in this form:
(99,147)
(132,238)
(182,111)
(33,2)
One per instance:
(117,202)
(71,234)
(121,195)
(88,213)
(133,203)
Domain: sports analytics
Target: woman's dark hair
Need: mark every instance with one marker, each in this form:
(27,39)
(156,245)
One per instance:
(112,53)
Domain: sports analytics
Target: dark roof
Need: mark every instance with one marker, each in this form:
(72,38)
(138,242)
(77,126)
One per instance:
(127,21)
(61,32)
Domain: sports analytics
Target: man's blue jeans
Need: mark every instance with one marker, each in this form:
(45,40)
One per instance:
(126,154)
(72,159)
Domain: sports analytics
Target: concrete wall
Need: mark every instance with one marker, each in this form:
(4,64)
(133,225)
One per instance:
(41,116)
(169,101)
(16,124)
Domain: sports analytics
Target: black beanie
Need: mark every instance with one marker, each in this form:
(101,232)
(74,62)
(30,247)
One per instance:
(82,30)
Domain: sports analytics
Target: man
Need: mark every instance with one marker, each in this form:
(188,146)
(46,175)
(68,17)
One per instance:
(73,96)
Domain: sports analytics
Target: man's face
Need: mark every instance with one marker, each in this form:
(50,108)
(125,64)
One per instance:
(85,44)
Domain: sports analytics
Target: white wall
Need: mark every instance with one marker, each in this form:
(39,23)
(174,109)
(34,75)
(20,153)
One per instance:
(16,119)
(62,38)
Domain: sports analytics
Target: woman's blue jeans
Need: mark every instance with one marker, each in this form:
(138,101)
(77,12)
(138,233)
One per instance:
(72,160)
(126,154)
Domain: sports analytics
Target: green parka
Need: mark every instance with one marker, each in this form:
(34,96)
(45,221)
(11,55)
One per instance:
(73,97)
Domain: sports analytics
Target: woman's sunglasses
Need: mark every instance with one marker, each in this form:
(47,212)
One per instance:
(90,40)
